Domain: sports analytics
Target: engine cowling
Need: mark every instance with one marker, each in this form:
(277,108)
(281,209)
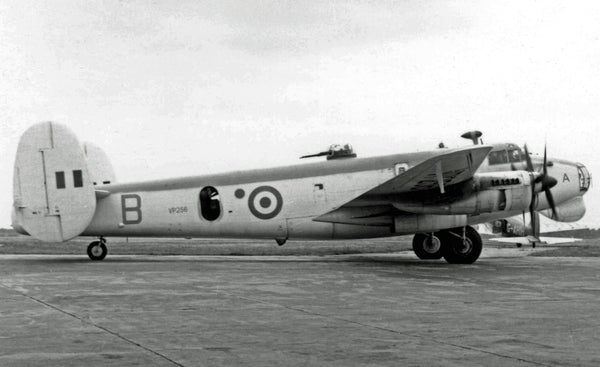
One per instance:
(490,192)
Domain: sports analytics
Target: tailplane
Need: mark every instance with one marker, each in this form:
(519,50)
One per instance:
(53,191)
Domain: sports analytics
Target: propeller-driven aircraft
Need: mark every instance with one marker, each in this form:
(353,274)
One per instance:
(64,189)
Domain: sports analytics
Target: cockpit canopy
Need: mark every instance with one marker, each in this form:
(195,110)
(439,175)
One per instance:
(505,153)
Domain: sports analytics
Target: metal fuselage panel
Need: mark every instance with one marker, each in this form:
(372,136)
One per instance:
(145,209)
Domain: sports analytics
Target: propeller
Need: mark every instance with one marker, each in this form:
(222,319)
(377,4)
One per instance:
(547,182)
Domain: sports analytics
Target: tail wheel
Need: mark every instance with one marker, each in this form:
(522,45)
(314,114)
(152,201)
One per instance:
(459,247)
(427,247)
(97,250)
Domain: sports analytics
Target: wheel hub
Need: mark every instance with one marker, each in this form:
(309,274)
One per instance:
(464,246)
(432,245)
(96,250)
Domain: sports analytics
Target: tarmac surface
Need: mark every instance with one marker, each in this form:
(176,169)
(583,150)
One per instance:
(339,310)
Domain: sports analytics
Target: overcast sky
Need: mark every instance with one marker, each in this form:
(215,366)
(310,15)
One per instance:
(180,88)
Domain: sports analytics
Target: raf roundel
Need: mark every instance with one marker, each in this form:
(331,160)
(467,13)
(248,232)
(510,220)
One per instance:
(265,202)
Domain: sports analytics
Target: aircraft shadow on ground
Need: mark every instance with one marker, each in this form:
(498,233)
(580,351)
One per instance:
(391,260)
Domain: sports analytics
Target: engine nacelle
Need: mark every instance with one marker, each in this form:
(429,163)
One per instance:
(427,223)
(492,192)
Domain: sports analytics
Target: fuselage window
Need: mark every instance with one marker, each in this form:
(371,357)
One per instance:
(210,205)
(498,157)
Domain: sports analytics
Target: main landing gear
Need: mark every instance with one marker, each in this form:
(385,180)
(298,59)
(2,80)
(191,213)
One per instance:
(97,249)
(460,245)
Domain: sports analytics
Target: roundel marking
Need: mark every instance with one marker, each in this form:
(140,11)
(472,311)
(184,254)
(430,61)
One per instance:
(265,202)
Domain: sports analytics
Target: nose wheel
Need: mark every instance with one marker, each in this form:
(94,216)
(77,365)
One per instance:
(97,250)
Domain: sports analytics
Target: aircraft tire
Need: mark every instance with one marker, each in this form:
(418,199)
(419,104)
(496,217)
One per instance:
(97,250)
(423,247)
(455,251)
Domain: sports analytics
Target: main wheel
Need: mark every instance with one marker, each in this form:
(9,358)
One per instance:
(97,250)
(457,250)
(427,247)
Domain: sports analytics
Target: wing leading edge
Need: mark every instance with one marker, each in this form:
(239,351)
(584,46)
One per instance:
(445,169)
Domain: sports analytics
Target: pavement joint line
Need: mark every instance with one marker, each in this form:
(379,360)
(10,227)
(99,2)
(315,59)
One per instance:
(113,333)
(414,335)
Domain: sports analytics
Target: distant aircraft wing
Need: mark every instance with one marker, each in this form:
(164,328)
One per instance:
(448,168)
(530,240)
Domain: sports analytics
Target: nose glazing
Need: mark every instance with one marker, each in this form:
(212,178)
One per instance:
(585,179)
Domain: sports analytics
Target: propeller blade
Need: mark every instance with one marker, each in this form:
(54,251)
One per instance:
(532,204)
(545,161)
(535,225)
(550,199)
(547,183)
(528,160)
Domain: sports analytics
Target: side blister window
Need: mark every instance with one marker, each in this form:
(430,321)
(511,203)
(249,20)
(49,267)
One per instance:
(210,205)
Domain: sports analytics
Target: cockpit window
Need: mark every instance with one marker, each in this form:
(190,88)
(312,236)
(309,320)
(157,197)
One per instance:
(497,157)
(514,155)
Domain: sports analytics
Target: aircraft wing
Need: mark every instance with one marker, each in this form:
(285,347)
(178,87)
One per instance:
(448,168)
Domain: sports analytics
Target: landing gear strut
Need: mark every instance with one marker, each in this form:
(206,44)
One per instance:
(460,245)
(97,249)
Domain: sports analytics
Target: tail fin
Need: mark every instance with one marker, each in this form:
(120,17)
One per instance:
(54,197)
(101,171)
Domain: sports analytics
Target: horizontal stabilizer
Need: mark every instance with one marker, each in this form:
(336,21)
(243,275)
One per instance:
(101,194)
(54,198)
